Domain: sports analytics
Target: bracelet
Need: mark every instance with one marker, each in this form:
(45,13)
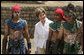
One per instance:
(29,45)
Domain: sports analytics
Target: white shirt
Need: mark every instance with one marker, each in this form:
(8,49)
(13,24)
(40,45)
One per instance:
(41,34)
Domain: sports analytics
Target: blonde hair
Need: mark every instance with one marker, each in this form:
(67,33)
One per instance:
(39,10)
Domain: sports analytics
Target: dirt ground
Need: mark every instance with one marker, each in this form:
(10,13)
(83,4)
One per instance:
(47,3)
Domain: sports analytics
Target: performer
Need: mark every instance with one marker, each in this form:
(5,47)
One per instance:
(82,36)
(41,31)
(80,30)
(15,28)
(71,36)
(54,29)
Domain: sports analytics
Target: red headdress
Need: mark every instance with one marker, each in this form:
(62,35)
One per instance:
(61,12)
(16,7)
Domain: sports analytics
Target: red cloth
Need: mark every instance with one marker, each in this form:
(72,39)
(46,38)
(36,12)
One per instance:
(61,12)
(16,7)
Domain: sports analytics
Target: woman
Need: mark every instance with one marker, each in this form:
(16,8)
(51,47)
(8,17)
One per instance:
(41,31)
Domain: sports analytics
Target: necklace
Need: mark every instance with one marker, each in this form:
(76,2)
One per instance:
(70,27)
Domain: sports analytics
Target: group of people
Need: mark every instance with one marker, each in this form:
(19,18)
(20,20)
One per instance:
(62,36)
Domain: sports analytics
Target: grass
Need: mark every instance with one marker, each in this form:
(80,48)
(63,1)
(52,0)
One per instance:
(32,49)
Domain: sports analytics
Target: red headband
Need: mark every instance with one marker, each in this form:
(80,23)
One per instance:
(61,12)
(16,7)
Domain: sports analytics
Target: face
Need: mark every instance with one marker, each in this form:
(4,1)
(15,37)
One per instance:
(42,16)
(57,16)
(16,14)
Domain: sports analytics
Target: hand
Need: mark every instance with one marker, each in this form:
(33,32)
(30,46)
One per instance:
(36,52)
(29,51)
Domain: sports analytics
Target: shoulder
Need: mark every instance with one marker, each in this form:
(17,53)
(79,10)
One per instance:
(52,26)
(48,20)
(79,23)
(37,24)
(22,20)
(7,20)
(64,22)
(64,25)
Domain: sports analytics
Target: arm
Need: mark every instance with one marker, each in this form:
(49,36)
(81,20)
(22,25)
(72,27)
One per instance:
(50,34)
(35,40)
(27,38)
(80,31)
(48,43)
(4,43)
(82,36)
(59,37)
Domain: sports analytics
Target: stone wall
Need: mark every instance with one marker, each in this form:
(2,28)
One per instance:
(29,16)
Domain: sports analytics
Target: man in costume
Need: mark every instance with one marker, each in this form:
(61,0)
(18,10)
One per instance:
(82,36)
(15,28)
(80,30)
(53,42)
(71,36)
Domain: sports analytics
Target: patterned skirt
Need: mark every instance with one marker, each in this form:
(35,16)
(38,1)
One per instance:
(16,46)
(71,49)
(53,50)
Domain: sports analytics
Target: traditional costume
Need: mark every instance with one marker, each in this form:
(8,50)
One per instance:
(53,47)
(16,46)
(73,46)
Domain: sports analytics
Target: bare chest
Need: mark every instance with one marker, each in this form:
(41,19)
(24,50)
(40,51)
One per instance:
(15,34)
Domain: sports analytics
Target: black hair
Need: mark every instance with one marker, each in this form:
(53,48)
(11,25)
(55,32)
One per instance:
(71,7)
